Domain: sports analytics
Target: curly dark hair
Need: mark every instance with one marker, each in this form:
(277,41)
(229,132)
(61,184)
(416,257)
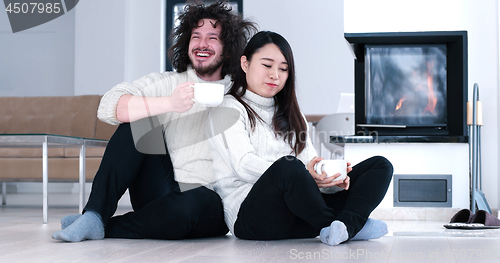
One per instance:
(235,33)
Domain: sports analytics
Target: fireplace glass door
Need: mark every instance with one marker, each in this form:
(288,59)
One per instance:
(406,85)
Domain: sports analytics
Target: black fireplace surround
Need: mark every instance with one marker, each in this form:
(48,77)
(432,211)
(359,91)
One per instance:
(410,86)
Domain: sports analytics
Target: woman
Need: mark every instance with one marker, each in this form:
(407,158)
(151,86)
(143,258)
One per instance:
(267,191)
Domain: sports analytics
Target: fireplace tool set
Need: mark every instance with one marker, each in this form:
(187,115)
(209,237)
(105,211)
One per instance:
(475,121)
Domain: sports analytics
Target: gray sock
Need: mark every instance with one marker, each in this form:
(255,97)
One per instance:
(68,220)
(373,229)
(88,226)
(334,234)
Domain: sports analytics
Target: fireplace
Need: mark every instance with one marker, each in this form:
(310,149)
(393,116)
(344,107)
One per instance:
(410,86)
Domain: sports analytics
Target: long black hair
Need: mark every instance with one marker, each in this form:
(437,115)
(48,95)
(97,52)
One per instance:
(287,120)
(235,32)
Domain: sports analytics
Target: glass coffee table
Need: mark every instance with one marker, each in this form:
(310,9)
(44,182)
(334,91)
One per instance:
(45,141)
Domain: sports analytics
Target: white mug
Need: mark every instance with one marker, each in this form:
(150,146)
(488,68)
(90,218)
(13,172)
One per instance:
(208,94)
(332,167)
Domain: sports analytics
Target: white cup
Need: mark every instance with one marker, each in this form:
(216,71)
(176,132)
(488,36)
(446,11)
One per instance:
(208,94)
(332,167)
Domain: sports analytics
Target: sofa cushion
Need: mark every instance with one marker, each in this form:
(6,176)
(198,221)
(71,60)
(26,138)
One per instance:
(60,169)
(70,116)
(103,130)
(29,152)
(89,152)
(53,152)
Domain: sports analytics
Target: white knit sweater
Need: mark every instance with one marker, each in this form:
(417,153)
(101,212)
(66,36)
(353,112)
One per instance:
(184,132)
(242,156)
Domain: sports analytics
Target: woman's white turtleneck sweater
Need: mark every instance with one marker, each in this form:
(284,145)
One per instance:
(241,156)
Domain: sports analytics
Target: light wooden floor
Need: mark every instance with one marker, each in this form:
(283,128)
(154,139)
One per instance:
(23,238)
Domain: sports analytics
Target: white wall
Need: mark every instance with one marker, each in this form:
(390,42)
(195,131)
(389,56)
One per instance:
(38,61)
(480,19)
(116,41)
(420,158)
(143,35)
(315,30)
(99,45)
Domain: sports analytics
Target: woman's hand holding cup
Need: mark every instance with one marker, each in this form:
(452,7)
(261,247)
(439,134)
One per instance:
(329,173)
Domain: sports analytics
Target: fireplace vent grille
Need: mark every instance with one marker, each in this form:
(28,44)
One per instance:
(418,190)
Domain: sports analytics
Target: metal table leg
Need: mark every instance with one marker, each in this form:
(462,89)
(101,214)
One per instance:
(4,193)
(82,176)
(45,179)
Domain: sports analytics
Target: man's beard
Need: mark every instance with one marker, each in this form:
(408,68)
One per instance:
(209,69)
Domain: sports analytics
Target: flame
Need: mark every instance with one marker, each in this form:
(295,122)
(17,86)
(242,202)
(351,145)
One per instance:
(431,98)
(400,103)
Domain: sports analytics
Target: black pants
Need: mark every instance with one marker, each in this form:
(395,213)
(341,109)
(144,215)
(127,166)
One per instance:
(286,203)
(161,210)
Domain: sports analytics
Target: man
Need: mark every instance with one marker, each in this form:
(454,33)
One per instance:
(206,48)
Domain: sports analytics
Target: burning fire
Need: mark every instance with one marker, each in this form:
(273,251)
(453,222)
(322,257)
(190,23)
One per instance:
(431,98)
(400,103)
